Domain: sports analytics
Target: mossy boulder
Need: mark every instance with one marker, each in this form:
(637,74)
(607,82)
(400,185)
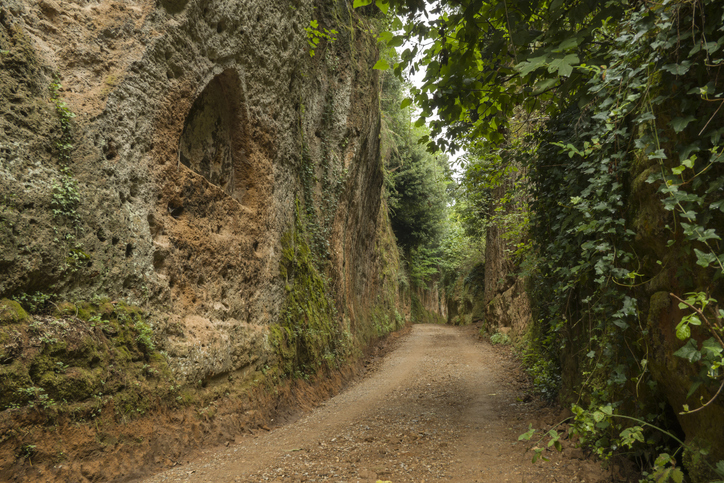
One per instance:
(74,384)
(85,310)
(65,308)
(64,358)
(106,309)
(11,312)
(13,378)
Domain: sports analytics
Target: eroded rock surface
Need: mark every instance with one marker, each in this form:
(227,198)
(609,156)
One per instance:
(194,122)
(201,132)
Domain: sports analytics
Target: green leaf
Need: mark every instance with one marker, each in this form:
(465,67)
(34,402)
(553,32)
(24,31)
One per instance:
(663,459)
(532,64)
(528,434)
(678,69)
(677,476)
(564,66)
(385,37)
(544,85)
(621,323)
(708,235)
(680,123)
(662,474)
(381,65)
(704,259)
(536,455)
(683,332)
(689,351)
(692,390)
(711,347)
(719,205)
(720,468)
(397,41)
(384,6)
(361,3)
(571,43)
(711,47)
(405,102)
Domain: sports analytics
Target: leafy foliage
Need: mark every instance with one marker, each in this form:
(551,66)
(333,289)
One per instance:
(625,178)
(483,59)
(416,185)
(315,35)
(65,192)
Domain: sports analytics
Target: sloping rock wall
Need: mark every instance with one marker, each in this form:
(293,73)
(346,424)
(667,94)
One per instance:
(429,304)
(465,300)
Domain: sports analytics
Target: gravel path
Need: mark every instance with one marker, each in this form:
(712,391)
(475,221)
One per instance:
(442,406)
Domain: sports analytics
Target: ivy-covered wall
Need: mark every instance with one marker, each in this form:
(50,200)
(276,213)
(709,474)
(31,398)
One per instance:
(627,222)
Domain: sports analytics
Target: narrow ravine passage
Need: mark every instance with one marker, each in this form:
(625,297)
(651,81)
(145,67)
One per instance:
(442,406)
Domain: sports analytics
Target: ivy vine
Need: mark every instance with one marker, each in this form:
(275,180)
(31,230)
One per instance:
(626,186)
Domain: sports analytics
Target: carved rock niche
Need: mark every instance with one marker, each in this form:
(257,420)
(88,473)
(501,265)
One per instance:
(213,143)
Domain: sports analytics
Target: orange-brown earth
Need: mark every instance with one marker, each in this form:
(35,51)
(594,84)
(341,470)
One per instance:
(442,405)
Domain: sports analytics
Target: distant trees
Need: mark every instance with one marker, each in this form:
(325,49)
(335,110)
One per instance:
(417,185)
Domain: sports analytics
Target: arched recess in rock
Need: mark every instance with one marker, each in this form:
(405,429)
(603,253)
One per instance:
(214,202)
(215,142)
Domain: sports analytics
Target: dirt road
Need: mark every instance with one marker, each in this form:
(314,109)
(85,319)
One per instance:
(442,406)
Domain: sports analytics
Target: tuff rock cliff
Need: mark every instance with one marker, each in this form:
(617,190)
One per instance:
(190,202)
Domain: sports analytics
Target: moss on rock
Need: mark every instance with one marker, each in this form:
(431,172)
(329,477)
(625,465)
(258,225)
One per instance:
(11,312)
(13,378)
(306,336)
(65,308)
(65,358)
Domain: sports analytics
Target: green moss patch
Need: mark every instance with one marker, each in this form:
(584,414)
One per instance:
(11,312)
(308,334)
(85,355)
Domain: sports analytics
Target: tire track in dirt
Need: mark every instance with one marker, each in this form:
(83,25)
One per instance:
(440,407)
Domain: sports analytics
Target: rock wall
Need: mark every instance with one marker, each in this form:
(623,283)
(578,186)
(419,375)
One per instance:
(465,300)
(156,154)
(511,309)
(506,302)
(679,274)
(616,340)
(429,304)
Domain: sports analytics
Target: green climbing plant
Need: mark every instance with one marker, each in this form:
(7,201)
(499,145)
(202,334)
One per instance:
(65,191)
(315,35)
(625,180)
